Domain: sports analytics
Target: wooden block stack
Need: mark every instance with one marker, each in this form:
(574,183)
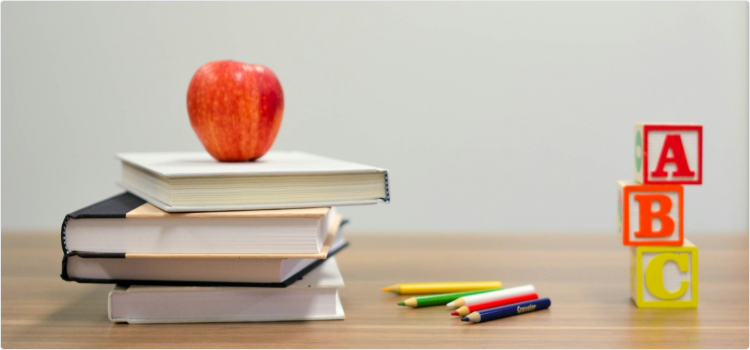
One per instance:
(664,265)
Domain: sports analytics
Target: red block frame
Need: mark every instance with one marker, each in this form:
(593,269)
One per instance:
(672,127)
(626,213)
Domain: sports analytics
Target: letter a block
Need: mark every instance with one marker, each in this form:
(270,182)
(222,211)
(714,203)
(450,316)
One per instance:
(650,214)
(668,153)
(664,277)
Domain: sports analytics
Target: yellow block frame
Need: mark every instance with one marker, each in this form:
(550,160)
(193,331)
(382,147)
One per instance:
(672,304)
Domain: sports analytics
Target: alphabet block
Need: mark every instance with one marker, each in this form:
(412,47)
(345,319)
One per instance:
(664,277)
(668,153)
(650,214)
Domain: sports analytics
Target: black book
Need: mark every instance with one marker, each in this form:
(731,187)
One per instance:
(126,240)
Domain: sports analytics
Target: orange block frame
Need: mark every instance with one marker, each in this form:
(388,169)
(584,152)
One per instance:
(626,189)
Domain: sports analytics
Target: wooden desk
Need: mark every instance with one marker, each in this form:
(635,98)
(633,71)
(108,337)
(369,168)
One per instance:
(586,276)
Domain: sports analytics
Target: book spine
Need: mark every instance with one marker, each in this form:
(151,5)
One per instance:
(387,188)
(62,234)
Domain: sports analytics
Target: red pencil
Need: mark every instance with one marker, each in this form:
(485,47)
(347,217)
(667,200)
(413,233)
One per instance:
(465,310)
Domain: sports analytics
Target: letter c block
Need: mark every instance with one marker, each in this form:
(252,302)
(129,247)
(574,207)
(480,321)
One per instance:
(664,276)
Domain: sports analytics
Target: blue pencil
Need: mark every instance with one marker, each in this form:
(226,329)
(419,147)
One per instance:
(507,310)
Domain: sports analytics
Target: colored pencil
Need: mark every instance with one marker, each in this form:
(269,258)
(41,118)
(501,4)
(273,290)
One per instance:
(439,299)
(485,297)
(507,310)
(465,310)
(441,287)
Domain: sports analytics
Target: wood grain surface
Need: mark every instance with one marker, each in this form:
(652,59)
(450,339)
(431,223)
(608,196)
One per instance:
(586,276)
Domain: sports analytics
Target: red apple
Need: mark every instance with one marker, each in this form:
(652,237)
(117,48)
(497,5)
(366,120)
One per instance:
(235,109)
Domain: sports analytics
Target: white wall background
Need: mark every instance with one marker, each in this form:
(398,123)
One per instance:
(491,117)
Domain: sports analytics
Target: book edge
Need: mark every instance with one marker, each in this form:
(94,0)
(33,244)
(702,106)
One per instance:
(338,315)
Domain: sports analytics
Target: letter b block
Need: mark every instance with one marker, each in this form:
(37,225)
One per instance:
(668,153)
(650,214)
(664,277)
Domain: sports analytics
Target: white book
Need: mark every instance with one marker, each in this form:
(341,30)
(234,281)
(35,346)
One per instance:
(194,181)
(125,224)
(314,297)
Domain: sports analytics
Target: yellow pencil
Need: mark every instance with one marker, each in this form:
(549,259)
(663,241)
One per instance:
(441,287)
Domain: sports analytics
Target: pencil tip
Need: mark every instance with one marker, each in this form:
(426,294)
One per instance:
(402,303)
(450,304)
(465,318)
(454,313)
(386,289)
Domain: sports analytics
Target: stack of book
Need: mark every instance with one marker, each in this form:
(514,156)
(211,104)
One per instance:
(196,240)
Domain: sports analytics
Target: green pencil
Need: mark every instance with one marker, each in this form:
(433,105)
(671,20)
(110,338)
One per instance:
(439,299)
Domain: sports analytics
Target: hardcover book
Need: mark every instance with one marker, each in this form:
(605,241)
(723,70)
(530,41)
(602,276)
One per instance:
(271,272)
(126,225)
(314,297)
(181,182)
